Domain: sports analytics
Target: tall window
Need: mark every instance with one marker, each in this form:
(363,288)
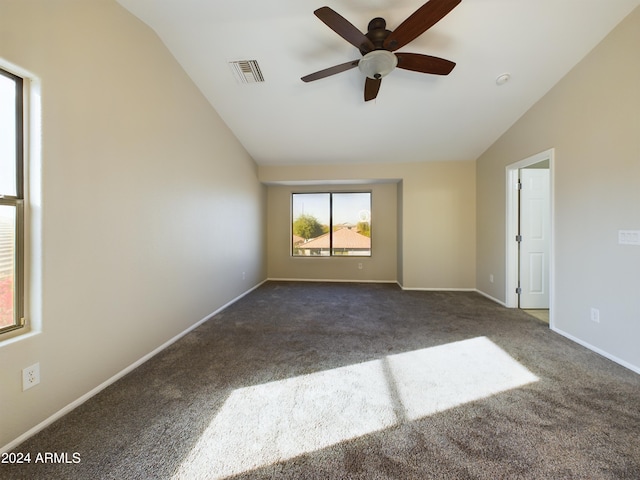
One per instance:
(331,224)
(11,201)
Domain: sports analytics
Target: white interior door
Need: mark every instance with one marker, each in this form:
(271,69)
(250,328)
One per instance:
(535,229)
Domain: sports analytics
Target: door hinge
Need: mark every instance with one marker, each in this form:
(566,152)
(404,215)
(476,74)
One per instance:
(519,185)
(518,238)
(518,291)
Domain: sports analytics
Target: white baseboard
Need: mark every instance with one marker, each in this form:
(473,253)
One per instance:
(613,358)
(500,302)
(329,280)
(76,403)
(421,289)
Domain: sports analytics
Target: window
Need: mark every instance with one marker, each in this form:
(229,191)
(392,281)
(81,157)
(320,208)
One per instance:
(11,201)
(331,224)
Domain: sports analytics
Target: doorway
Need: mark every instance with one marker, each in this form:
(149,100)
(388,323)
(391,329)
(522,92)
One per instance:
(529,279)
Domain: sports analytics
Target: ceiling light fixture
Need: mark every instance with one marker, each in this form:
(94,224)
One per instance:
(378,63)
(502,79)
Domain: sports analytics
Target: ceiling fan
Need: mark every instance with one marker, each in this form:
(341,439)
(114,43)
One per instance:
(378,44)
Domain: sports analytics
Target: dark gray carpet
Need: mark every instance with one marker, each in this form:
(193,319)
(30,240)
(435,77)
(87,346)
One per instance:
(580,420)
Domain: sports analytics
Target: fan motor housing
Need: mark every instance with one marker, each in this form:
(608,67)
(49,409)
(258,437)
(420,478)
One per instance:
(377,33)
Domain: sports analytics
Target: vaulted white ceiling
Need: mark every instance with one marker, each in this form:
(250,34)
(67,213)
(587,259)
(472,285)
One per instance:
(416,117)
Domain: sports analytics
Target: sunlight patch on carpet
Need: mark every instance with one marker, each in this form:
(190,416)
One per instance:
(277,421)
(435,379)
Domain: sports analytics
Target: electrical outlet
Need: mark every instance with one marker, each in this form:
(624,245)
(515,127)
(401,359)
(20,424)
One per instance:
(244,275)
(595,315)
(491,278)
(360,266)
(30,376)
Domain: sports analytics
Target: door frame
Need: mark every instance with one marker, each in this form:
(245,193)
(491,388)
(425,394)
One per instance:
(511,274)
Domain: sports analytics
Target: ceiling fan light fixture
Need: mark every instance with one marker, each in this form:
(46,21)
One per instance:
(378,63)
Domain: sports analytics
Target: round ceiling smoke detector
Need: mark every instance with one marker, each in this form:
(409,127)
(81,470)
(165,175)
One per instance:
(502,79)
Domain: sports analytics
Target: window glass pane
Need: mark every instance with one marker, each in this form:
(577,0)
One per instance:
(310,229)
(7,266)
(7,136)
(351,224)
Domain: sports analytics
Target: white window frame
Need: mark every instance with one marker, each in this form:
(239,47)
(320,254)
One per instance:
(331,253)
(17,201)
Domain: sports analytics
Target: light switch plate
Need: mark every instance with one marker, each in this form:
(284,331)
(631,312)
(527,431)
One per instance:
(629,237)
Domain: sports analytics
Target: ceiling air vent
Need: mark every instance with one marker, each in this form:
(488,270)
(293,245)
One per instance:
(247,71)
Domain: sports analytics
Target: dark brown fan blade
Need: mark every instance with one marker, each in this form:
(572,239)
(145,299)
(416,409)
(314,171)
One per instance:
(419,22)
(344,28)
(330,71)
(371,88)
(424,63)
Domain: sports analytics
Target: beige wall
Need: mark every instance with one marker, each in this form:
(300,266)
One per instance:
(151,209)
(434,224)
(592,119)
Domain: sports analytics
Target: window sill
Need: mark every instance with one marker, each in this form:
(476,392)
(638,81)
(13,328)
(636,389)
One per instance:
(18,337)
